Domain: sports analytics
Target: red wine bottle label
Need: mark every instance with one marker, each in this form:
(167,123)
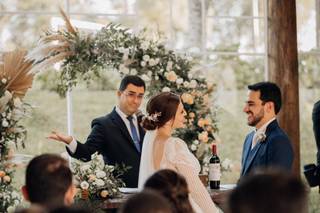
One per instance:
(214,172)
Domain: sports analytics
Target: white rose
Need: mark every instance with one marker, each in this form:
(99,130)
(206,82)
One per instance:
(193,147)
(146,57)
(100,174)
(186,84)
(152,62)
(179,81)
(166,89)
(156,78)
(5,123)
(145,45)
(133,71)
(189,75)
(193,84)
(143,63)
(4,80)
(123,69)
(84,185)
(196,142)
(99,182)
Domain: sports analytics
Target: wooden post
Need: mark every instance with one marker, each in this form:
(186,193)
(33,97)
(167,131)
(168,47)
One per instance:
(283,68)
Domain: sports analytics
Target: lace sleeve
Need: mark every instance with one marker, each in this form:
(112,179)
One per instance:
(188,166)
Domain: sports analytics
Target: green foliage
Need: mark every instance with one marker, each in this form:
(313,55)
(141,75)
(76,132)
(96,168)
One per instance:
(162,69)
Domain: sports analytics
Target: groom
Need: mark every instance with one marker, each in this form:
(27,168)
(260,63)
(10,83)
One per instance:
(268,145)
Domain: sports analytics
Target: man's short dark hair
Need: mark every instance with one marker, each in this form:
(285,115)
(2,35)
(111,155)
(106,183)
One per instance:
(48,178)
(131,79)
(268,92)
(269,191)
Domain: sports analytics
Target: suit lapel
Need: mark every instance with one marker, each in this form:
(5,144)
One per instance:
(122,126)
(246,151)
(247,162)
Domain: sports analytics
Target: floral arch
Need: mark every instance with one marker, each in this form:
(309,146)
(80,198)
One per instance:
(84,54)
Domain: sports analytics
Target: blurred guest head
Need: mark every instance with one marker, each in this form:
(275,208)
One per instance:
(173,186)
(269,191)
(147,201)
(263,103)
(49,182)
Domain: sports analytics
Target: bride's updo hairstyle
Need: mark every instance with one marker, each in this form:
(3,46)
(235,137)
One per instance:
(161,108)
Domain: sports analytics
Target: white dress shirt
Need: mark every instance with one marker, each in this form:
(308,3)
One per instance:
(261,130)
(73,145)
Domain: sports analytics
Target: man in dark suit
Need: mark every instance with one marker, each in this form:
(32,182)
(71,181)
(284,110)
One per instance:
(268,145)
(118,135)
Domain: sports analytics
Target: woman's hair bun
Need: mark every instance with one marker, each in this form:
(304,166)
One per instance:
(148,123)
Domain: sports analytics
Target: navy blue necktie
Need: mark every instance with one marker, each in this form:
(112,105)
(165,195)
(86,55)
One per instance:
(134,133)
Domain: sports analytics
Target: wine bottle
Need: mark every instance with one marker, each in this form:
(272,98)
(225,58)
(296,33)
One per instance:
(214,169)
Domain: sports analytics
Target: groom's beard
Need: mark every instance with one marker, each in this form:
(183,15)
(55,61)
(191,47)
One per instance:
(256,118)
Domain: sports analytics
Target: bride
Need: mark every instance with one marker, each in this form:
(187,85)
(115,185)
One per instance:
(162,151)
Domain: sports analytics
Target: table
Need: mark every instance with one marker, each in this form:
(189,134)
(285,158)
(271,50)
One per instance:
(111,205)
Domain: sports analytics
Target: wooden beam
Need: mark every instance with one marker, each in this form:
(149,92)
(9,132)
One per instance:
(283,68)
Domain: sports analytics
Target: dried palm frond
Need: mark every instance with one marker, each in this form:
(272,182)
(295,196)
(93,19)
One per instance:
(46,50)
(16,70)
(52,37)
(47,62)
(69,26)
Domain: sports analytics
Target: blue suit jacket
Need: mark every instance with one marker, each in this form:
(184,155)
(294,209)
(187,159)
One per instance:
(275,151)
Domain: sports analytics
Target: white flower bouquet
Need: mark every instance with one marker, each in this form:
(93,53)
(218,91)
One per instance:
(96,180)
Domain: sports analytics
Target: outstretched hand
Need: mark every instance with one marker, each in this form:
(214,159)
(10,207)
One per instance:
(67,139)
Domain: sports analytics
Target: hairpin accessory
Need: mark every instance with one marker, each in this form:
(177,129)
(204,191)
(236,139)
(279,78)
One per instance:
(154,116)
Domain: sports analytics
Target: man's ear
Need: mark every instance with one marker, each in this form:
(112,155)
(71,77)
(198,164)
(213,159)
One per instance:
(25,193)
(118,93)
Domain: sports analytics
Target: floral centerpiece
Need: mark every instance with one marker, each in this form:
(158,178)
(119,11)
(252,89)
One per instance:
(15,80)
(96,180)
(82,54)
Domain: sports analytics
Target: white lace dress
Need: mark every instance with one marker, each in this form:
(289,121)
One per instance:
(178,158)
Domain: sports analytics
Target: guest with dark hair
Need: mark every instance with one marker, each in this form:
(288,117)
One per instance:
(163,151)
(147,202)
(275,192)
(172,186)
(49,182)
(267,145)
(117,136)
